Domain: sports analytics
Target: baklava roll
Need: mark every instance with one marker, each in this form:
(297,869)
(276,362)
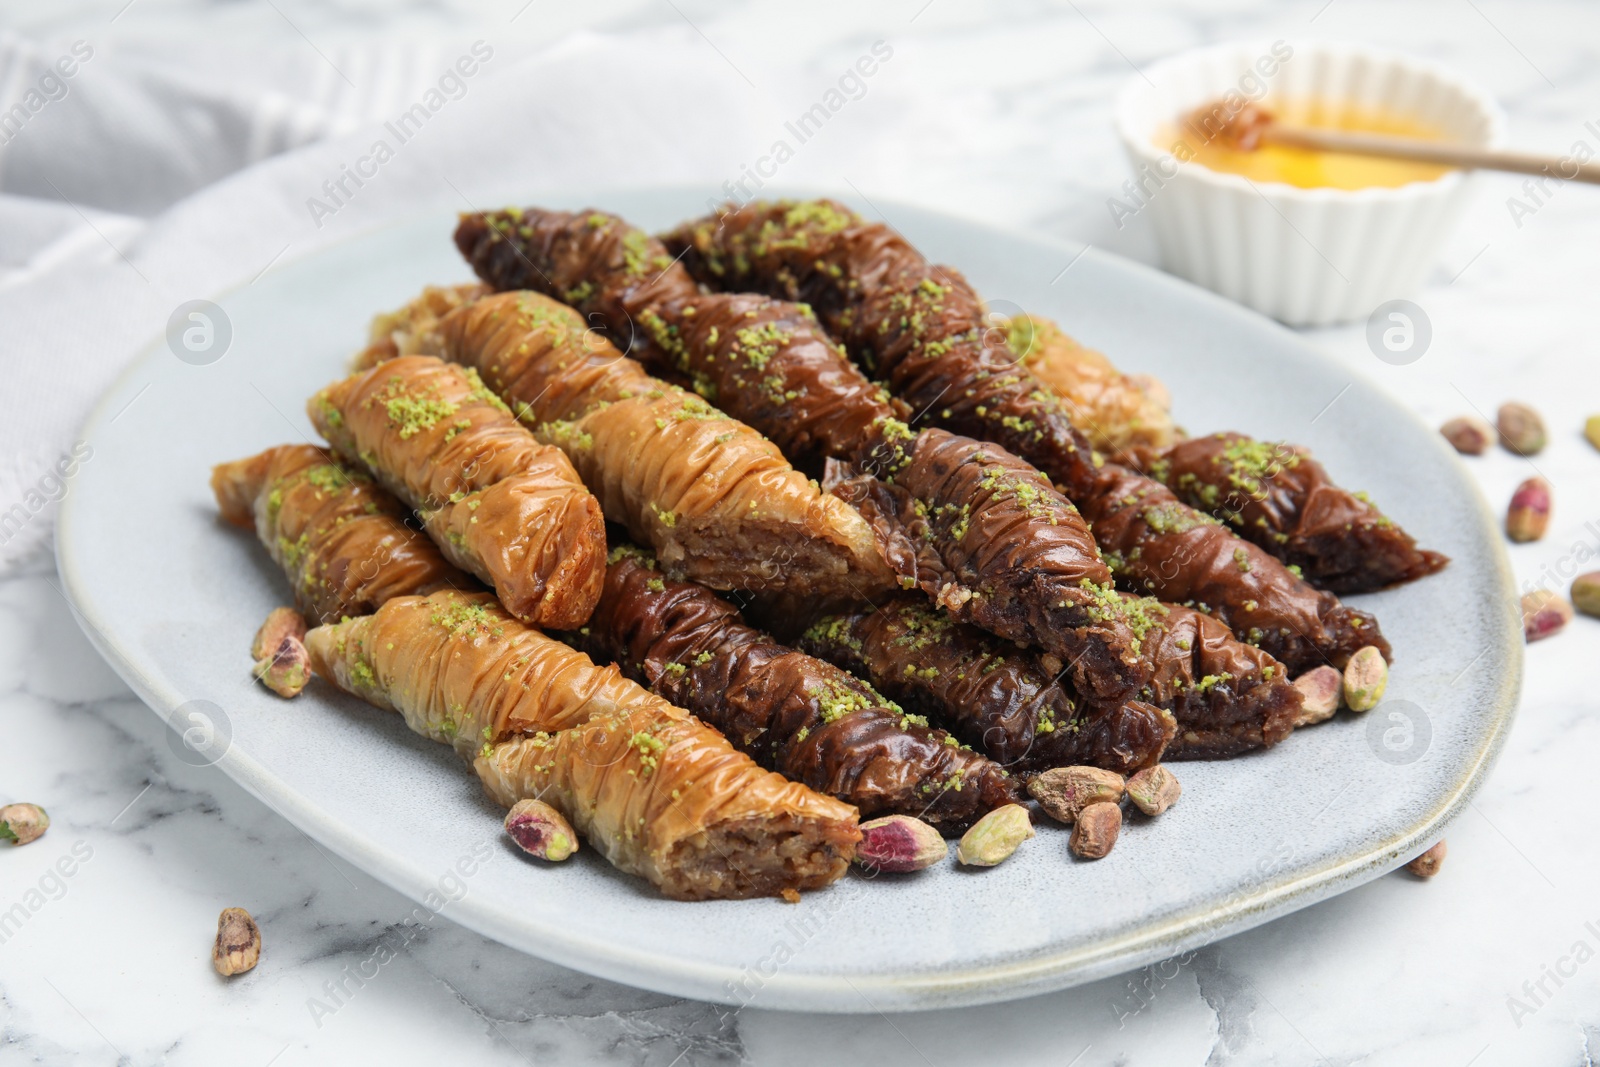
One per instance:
(1211,696)
(718,502)
(1008,702)
(652,789)
(342,540)
(1159,546)
(989,540)
(1122,415)
(1227,696)
(1276,496)
(497,502)
(793,713)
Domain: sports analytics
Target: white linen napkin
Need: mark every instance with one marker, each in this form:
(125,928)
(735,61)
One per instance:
(89,283)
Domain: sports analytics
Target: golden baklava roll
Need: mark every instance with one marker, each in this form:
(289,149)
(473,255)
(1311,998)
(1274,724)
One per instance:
(341,539)
(670,801)
(409,330)
(497,502)
(652,789)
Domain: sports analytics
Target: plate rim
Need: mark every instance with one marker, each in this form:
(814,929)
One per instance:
(1038,973)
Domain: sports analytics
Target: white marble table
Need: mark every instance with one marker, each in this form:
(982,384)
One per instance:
(1002,116)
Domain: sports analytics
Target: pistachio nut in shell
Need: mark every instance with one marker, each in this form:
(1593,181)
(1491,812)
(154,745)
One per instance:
(287,670)
(1064,791)
(238,945)
(1528,515)
(281,623)
(1521,429)
(1544,614)
(1586,593)
(23,823)
(1321,688)
(1427,865)
(1468,434)
(1095,832)
(1154,789)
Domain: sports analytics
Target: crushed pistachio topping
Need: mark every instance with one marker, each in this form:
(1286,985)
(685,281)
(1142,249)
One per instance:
(482,392)
(329,478)
(633,552)
(1249,464)
(837,700)
(330,414)
(1170,517)
(835,630)
(460,619)
(1139,614)
(411,413)
(817,216)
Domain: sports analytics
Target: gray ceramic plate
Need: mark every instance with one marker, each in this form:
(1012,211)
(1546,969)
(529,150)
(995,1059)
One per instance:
(171,597)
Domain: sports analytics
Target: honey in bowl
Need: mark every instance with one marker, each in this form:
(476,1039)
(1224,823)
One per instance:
(1196,139)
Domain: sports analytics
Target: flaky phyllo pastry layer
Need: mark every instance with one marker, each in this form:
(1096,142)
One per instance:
(652,789)
(497,502)
(341,539)
(716,501)
(1119,413)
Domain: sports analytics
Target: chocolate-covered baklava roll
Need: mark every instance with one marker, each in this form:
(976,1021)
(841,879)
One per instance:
(497,502)
(1010,703)
(1158,545)
(1276,496)
(342,540)
(1228,696)
(793,713)
(1216,695)
(653,790)
(988,539)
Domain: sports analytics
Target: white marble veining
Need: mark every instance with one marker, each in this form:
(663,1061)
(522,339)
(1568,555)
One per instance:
(1002,115)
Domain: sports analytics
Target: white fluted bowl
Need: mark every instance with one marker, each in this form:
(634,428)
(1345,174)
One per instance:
(1307,257)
